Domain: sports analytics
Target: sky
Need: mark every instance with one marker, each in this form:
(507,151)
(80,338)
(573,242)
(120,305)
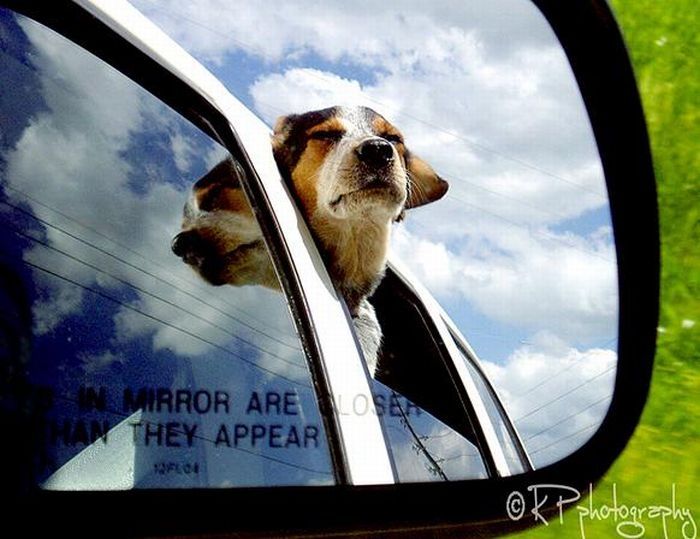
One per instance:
(520,252)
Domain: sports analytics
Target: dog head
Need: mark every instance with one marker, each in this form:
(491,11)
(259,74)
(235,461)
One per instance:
(352,175)
(346,163)
(220,237)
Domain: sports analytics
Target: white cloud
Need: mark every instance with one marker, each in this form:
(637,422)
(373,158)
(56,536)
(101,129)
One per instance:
(394,31)
(565,284)
(78,141)
(212,328)
(57,302)
(489,78)
(183,151)
(94,364)
(304,89)
(556,394)
(488,71)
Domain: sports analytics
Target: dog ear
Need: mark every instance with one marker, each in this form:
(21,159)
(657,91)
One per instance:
(280,147)
(425,185)
(281,131)
(227,172)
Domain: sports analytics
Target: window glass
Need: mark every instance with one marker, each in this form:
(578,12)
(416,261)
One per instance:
(498,420)
(429,431)
(422,447)
(121,367)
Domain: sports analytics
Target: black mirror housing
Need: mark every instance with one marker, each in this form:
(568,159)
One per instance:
(596,51)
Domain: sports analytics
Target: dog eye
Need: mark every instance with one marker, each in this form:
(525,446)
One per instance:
(330,136)
(394,139)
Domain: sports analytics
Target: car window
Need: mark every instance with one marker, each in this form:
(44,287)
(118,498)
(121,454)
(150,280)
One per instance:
(131,360)
(431,433)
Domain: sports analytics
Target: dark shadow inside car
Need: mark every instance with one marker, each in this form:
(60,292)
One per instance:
(413,360)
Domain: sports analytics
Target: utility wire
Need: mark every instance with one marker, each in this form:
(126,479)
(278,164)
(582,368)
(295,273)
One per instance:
(478,146)
(152,295)
(146,259)
(567,418)
(549,379)
(142,270)
(559,440)
(165,323)
(549,403)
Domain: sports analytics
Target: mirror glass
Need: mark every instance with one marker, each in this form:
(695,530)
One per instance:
(520,252)
(141,348)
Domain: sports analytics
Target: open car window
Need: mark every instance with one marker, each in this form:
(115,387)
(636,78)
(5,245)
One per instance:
(121,366)
(431,428)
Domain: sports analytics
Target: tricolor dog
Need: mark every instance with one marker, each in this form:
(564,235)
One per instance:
(352,176)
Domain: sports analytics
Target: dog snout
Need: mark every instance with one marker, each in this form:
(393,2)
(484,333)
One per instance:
(375,152)
(185,243)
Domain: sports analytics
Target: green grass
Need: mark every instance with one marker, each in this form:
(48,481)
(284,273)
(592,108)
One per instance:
(664,42)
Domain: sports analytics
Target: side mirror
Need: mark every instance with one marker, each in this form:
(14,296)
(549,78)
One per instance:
(518,312)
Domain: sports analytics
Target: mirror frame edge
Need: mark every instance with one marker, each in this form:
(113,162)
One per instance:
(593,43)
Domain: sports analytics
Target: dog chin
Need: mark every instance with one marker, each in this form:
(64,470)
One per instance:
(239,267)
(381,199)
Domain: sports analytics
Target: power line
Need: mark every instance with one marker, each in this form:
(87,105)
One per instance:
(456,178)
(549,378)
(167,324)
(155,296)
(144,271)
(548,403)
(148,260)
(548,235)
(478,146)
(570,416)
(529,229)
(597,424)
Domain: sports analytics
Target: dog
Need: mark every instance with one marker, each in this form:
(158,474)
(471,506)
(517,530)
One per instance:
(220,237)
(351,175)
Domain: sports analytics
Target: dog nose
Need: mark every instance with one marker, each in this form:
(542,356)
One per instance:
(184,243)
(375,152)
